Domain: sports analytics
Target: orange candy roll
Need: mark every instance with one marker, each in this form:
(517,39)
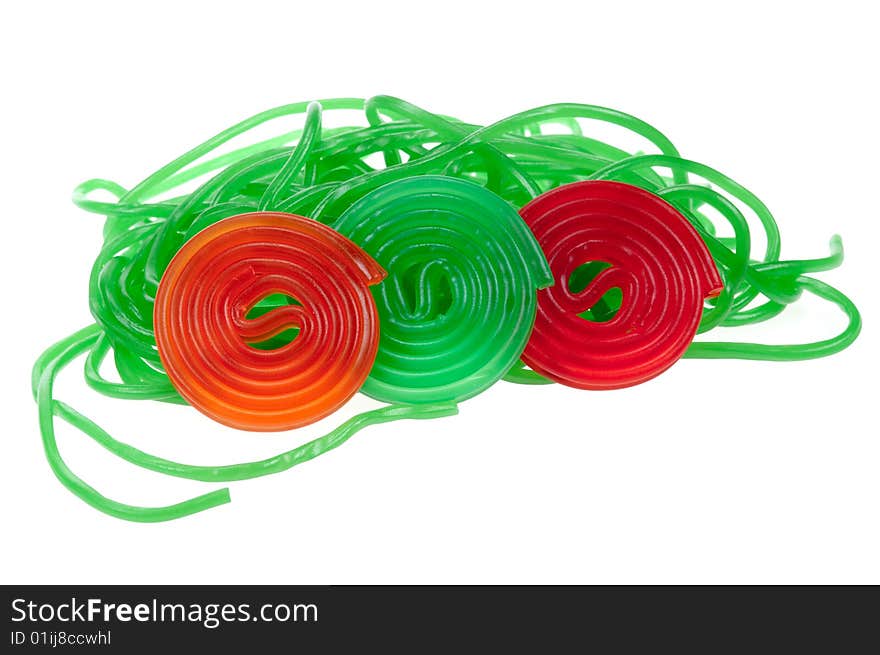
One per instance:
(205,329)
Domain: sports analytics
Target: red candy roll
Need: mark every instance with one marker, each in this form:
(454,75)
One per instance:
(657,260)
(205,337)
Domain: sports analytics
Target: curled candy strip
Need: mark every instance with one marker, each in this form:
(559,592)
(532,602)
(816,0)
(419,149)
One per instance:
(459,301)
(56,357)
(654,257)
(204,334)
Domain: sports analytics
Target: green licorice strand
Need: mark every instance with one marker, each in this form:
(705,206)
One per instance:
(733,264)
(795,352)
(139,390)
(443,153)
(196,171)
(46,369)
(81,199)
(297,160)
(793,267)
(520,374)
(447,129)
(147,187)
(767,277)
(681,167)
(58,356)
(249,470)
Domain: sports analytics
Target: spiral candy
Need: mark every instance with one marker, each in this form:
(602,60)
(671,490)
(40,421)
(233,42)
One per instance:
(203,332)
(249,283)
(459,301)
(656,259)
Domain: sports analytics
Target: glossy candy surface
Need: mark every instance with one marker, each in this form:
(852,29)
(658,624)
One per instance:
(637,244)
(205,336)
(459,301)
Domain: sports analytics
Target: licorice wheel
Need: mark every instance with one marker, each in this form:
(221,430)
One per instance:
(460,297)
(205,337)
(658,262)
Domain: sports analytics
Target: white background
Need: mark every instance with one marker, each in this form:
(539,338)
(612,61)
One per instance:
(718,471)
